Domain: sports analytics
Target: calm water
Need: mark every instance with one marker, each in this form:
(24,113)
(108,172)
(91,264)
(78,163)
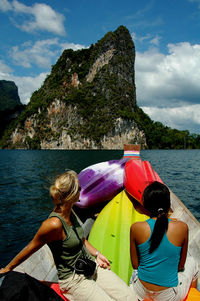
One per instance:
(25,177)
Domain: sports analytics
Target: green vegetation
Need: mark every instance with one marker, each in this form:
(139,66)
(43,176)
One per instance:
(8,115)
(32,143)
(10,105)
(162,137)
(94,111)
(9,97)
(98,103)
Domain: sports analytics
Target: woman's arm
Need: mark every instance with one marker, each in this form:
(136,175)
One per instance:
(93,251)
(101,259)
(31,248)
(184,249)
(48,231)
(133,249)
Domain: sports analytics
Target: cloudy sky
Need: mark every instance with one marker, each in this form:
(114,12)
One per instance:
(165,33)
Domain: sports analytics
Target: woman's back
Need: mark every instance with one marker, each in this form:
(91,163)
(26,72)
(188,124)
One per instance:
(159,267)
(158,270)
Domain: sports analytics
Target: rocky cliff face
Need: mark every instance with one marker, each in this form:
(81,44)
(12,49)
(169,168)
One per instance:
(87,102)
(9,97)
(10,105)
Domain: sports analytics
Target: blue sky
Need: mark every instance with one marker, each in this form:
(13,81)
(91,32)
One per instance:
(165,33)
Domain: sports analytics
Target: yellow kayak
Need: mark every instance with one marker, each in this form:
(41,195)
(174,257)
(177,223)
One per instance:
(110,233)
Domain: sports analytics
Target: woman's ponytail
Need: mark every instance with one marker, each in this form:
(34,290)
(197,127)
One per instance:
(160,228)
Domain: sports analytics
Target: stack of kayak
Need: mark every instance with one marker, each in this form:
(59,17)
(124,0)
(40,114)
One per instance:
(111,196)
(124,180)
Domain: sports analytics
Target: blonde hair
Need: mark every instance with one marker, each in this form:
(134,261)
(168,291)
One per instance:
(65,188)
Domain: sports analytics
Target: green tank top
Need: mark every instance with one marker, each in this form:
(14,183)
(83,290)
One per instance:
(66,252)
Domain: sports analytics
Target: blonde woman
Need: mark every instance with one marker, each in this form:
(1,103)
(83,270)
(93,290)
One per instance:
(65,237)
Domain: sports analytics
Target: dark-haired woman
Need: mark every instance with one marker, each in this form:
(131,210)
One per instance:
(158,249)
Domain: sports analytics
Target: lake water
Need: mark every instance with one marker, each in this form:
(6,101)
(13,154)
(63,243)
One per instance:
(25,177)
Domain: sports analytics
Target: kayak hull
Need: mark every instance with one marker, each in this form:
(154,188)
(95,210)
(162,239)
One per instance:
(100,182)
(110,233)
(138,175)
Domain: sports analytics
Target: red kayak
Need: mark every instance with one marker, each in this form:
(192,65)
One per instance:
(138,175)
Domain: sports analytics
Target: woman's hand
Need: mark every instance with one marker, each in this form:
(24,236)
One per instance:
(103,261)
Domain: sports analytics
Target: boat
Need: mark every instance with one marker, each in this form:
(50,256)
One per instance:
(41,264)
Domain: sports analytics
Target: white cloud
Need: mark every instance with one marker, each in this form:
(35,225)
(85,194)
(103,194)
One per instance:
(21,8)
(168,87)
(168,80)
(40,16)
(41,53)
(148,39)
(155,41)
(72,46)
(4,68)
(141,39)
(26,84)
(182,118)
(5,5)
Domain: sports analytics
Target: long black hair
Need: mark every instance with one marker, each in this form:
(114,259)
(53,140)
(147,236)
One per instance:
(156,199)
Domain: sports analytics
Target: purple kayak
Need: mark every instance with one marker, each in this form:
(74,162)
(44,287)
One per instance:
(101,182)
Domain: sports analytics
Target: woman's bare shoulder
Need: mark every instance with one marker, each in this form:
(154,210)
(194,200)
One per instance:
(177,232)
(140,231)
(179,226)
(138,225)
(179,223)
(51,229)
(53,223)
(138,228)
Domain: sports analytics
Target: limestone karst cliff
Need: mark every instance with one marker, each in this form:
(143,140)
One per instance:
(87,102)
(9,97)
(10,105)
